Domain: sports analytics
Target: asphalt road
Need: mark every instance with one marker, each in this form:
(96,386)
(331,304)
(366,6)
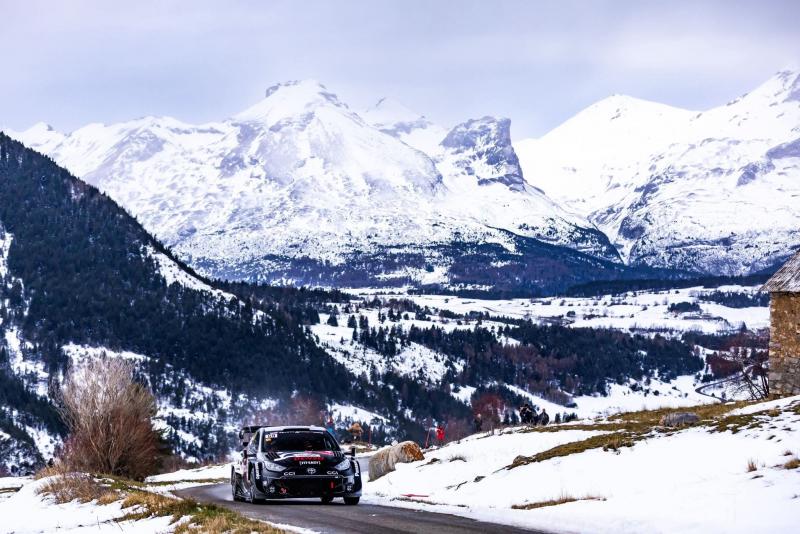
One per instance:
(339,518)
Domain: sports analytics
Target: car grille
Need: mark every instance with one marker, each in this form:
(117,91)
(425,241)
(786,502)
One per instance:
(308,487)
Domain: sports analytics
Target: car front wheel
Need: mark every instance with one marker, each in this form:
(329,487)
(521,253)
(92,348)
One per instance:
(236,482)
(251,488)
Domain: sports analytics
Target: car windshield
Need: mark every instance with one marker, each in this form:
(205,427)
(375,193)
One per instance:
(298,441)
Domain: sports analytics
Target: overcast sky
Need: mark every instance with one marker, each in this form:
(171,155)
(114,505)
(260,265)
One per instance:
(70,63)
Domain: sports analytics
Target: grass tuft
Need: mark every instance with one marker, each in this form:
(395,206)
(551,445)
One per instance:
(206,518)
(613,442)
(562,499)
(624,430)
(70,487)
(751,465)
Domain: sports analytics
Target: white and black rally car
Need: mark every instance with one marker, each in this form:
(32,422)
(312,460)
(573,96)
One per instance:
(283,462)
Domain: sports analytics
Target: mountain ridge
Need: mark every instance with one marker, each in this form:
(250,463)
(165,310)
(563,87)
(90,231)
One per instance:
(683,189)
(298,187)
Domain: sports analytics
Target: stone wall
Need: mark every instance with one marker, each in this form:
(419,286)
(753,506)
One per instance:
(784,344)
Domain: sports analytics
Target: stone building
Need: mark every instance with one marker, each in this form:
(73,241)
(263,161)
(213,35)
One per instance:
(784,332)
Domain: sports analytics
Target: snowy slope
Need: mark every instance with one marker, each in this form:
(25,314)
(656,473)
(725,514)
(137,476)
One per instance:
(394,118)
(691,480)
(299,183)
(715,191)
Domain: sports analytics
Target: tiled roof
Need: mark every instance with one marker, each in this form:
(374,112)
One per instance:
(787,279)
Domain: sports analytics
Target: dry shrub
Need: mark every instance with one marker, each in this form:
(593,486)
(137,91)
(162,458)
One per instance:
(205,518)
(561,499)
(751,465)
(109,417)
(794,463)
(188,516)
(68,487)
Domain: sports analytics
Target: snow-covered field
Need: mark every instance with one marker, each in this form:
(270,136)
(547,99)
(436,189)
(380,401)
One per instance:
(693,480)
(211,472)
(621,398)
(634,311)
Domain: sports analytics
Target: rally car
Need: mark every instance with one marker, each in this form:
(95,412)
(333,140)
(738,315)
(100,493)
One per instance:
(282,462)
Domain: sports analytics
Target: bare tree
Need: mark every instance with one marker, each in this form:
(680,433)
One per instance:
(745,373)
(109,417)
(752,377)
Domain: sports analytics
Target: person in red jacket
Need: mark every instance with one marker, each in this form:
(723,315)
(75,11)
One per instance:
(440,434)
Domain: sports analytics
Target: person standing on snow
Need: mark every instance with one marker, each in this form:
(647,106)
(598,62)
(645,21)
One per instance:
(478,422)
(330,426)
(440,435)
(544,418)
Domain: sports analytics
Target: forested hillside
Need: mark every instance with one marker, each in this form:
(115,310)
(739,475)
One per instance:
(79,271)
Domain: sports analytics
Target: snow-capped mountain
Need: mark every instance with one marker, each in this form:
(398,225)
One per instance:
(393,118)
(715,191)
(300,187)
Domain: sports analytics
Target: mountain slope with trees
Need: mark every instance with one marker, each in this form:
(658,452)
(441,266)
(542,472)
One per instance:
(80,272)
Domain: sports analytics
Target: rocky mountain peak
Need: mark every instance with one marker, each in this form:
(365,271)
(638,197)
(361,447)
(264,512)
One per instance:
(484,150)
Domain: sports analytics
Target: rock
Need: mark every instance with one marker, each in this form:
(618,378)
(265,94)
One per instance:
(384,460)
(679,419)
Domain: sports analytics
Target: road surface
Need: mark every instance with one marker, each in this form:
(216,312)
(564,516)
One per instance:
(337,518)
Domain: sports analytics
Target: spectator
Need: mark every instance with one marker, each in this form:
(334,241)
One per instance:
(355,431)
(478,422)
(524,414)
(544,418)
(330,426)
(440,435)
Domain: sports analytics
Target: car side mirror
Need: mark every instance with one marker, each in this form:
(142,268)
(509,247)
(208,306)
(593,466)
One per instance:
(353,452)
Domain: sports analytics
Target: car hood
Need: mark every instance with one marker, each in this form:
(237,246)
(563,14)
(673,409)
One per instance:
(306,458)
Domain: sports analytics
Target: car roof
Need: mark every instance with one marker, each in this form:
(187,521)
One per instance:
(294,429)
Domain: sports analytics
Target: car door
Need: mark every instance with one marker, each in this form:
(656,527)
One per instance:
(252,451)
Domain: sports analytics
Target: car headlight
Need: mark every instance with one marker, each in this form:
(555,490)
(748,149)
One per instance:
(344,465)
(272,466)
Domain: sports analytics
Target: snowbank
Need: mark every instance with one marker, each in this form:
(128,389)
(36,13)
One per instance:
(695,480)
(28,512)
(211,472)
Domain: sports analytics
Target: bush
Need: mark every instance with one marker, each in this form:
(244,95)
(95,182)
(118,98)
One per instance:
(68,487)
(684,307)
(109,418)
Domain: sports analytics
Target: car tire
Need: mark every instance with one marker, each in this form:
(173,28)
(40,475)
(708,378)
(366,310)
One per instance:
(351,501)
(251,488)
(236,482)
(326,499)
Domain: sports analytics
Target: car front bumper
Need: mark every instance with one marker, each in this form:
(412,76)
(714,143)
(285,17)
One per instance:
(284,486)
